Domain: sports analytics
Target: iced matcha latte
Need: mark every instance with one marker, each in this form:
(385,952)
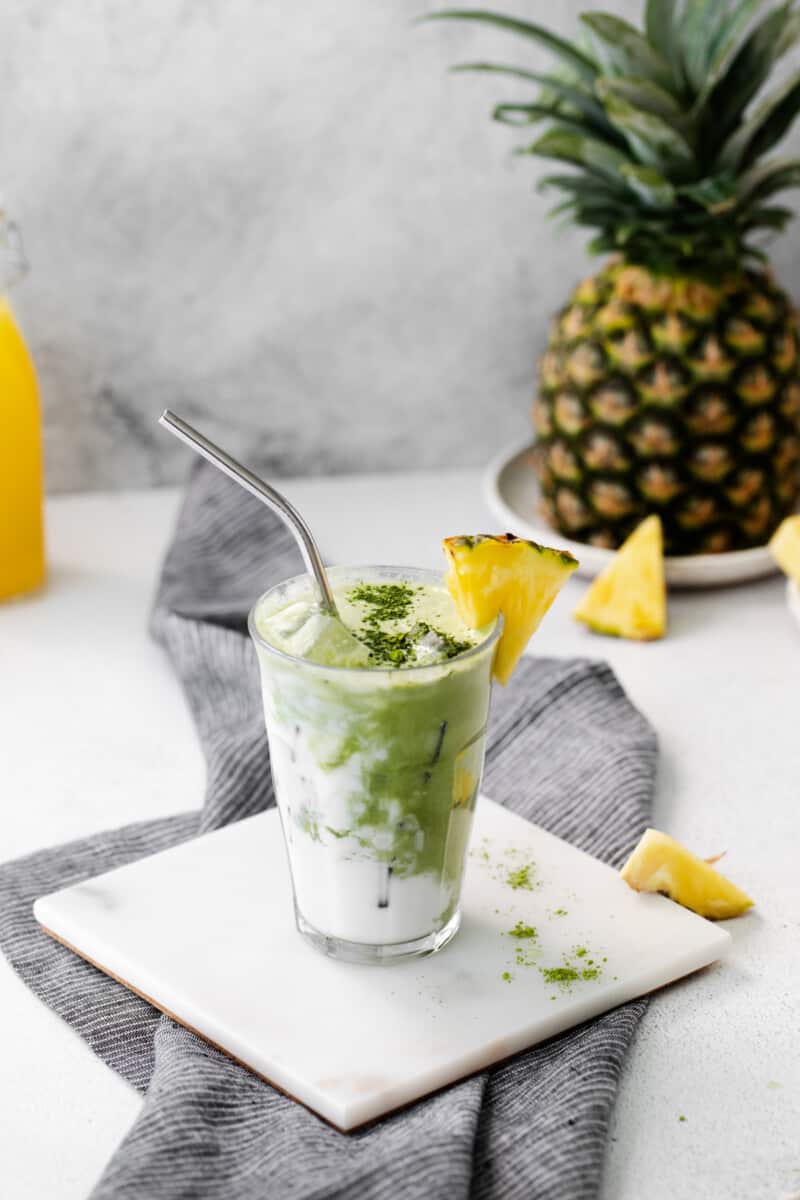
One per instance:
(376,729)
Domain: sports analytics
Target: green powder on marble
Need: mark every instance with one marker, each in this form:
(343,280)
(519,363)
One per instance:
(520,880)
(521,930)
(561,975)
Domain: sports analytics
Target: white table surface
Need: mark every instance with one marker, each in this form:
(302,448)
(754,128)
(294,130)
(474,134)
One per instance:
(95,733)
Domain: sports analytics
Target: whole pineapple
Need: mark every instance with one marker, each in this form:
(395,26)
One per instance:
(671,382)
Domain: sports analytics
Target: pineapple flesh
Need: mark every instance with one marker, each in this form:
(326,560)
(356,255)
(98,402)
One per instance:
(660,864)
(785,547)
(629,597)
(671,382)
(489,576)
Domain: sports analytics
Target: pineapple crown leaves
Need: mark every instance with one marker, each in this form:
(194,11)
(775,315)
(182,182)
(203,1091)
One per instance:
(664,129)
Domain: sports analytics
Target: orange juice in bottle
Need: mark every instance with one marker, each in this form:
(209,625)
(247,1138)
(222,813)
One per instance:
(22,565)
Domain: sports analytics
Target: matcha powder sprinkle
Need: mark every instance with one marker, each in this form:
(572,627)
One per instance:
(387,602)
(563,975)
(521,930)
(520,880)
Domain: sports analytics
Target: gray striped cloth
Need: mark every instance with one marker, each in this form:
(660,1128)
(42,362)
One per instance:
(566,749)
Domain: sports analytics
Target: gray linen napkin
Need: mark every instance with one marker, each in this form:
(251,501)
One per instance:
(566,749)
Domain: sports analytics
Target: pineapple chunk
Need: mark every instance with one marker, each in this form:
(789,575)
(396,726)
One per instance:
(785,547)
(660,864)
(492,575)
(629,597)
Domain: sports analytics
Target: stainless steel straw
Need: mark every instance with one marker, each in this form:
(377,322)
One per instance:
(263,492)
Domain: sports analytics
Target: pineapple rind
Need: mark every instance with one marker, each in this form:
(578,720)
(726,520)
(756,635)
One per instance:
(691,411)
(660,864)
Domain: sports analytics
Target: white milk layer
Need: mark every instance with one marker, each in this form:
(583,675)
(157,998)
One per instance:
(339,887)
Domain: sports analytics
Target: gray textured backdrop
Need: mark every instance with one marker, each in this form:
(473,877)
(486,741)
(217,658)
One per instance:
(284,220)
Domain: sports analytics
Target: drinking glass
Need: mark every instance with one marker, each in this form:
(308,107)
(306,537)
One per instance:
(376,774)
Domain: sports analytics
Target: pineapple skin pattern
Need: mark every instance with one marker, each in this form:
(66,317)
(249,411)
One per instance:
(670,395)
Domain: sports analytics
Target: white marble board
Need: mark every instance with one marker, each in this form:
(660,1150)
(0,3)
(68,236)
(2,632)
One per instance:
(206,932)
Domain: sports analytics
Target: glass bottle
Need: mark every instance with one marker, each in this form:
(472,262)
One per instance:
(22,562)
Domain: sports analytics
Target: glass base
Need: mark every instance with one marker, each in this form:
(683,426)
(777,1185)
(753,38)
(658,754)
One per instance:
(362,952)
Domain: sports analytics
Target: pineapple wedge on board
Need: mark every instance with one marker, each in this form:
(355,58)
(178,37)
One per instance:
(520,579)
(629,597)
(660,864)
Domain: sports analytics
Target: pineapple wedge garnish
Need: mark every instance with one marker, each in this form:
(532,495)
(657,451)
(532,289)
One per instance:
(785,547)
(660,864)
(629,597)
(492,575)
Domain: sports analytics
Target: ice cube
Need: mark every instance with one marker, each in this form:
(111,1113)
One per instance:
(325,639)
(284,624)
(430,648)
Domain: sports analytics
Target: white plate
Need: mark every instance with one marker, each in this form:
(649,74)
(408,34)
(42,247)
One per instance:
(793,598)
(512,493)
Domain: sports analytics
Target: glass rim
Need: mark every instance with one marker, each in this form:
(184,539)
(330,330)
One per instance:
(387,671)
